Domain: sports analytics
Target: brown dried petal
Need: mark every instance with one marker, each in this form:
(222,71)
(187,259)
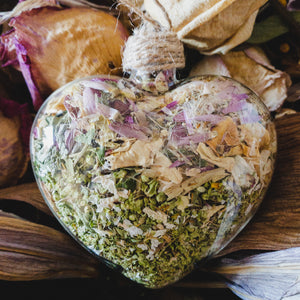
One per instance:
(255,136)
(29,251)
(28,193)
(193,182)
(236,150)
(13,161)
(65,44)
(227,133)
(141,153)
(207,153)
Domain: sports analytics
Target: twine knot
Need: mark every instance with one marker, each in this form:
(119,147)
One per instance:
(152,49)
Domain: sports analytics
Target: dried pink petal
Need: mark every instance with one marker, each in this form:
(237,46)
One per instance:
(128,130)
(25,66)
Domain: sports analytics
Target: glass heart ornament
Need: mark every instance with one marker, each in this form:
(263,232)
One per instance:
(151,174)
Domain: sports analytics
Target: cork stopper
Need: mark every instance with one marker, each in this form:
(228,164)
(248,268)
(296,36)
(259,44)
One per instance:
(152,49)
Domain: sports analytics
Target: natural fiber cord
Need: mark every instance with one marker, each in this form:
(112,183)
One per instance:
(152,49)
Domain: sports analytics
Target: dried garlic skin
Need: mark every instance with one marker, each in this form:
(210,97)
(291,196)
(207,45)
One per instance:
(153,181)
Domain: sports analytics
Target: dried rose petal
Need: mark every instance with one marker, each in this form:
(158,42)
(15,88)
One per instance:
(54,46)
(12,109)
(252,68)
(15,123)
(211,26)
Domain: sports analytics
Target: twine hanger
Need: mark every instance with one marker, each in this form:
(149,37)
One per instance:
(151,48)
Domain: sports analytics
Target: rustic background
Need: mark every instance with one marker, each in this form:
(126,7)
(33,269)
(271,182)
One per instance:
(275,226)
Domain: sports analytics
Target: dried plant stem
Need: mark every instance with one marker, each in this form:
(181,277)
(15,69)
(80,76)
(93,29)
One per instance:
(28,193)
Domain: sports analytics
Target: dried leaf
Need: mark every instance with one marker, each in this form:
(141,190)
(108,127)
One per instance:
(276,226)
(285,111)
(9,215)
(29,251)
(28,193)
(267,30)
(270,28)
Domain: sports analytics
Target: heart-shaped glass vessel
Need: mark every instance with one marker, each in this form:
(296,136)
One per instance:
(151,178)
